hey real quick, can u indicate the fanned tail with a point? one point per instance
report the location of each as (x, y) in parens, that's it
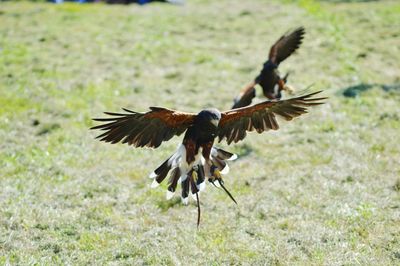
(161, 173)
(192, 178)
(173, 182)
(185, 190)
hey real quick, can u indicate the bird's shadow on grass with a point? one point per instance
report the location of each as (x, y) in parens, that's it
(354, 91)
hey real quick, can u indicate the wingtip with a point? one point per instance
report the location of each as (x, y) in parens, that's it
(127, 110)
(301, 29)
(309, 94)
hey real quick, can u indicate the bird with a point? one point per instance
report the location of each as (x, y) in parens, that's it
(197, 158)
(269, 78)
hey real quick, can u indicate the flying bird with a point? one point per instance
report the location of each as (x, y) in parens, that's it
(269, 78)
(197, 159)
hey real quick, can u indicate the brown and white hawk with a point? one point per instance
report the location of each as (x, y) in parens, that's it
(269, 78)
(197, 159)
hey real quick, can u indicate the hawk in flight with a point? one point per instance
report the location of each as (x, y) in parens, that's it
(197, 159)
(269, 78)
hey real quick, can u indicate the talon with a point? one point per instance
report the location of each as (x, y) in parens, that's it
(215, 172)
(198, 210)
(212, 180)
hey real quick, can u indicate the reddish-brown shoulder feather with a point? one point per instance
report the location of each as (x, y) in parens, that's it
(144, 129)
(262, 117)
(171, 118)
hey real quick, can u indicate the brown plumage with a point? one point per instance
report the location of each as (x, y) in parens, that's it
(144, 129)
(269, 78)
(150, 129)
(196, 158)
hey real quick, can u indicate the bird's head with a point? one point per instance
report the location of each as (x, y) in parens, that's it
(209, 116)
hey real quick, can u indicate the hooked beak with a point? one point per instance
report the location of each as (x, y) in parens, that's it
(215, 122)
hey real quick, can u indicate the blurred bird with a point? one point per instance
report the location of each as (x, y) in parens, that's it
(197, 159)
(269, 78)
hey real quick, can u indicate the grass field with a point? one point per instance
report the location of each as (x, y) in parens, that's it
(324, 189)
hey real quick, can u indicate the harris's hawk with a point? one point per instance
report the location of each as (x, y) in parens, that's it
(197, 159)
(269, 78)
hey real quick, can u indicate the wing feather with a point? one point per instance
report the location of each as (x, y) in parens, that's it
(246, 96)
(286, 45)
(262, 117)
(143, 129)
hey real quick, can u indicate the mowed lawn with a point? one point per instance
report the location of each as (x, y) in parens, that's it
(324, 189)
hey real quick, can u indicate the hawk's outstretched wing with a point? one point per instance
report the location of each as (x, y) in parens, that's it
(286, 45)
(144, 129)
(262, 117)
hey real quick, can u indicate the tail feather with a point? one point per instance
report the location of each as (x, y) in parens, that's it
(173, 180)
(161, 172)
(220, 164)
(219, 158)
(185, 190)
(201, 178)
(222, 154)
(192, 180)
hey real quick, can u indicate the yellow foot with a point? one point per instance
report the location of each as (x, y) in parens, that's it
(215, 175)
(194, 174)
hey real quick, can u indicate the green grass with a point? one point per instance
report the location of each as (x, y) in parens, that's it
(324, 189)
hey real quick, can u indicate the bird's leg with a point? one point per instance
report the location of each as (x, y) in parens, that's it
(198, 209)
(194, 178)
(216, 176)
(194, 173)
